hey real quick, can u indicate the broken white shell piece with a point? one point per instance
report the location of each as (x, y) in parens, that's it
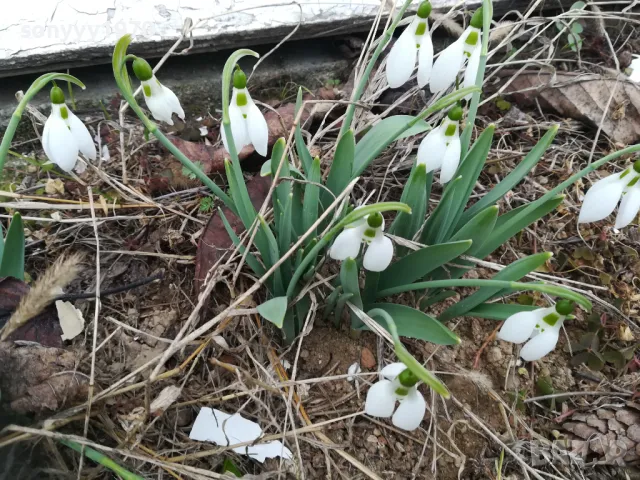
(71, 320)
(354, 369)
(223, 429)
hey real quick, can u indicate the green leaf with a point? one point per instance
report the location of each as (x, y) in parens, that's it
(416, 324)
(274, 310)
(1, 243)
(414, 194)
(511, 180)
(499, 311)
(420, 263)
(311, 198)
(436, 298)
(252, 261)
(301, 147)
(13, 258)
(340, 304)
(265, 170)
(513, 224)
(513, 272)
(229, 466)
(478, 229)
(273, 255)
(340, 170)
(349, 279)
(330, 302)
(435, 229)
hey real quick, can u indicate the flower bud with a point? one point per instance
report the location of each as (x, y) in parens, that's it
(407, 378)
(142, 69)
(455, 113)
(56, 95)
(565, 307)
(424, 10)
(375, 220)
(476, 19)
(636, 166)
(239, 79)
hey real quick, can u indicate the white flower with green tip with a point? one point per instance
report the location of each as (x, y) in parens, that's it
(64, 135)
(441, 149)
(160, 100)
(466, 49)
(414, 41)
(602, 198)
(369, 230)
(398, 384)
(539, 328)
(248, 125)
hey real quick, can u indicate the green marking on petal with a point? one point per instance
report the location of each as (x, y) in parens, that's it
(472, 38)
(402, 392)
(551, 319)
(244, 115)
(147, 90)
(421, 28)
(370, 233)
(450, 131)
(625, 173)
(241, 99)
(633, 182)
(64, 113)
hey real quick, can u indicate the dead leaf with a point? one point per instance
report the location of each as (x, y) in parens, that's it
(624, 333)
(71, 320)
(215, 240)
(164, 400)
(583, 97)
(54, 187)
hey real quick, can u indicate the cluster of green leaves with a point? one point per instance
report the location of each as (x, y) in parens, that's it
(574, 27)
(12, 249)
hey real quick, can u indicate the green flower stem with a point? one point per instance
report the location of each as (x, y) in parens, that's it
(352, 217)
(119, 64)
(357, 93)
(487, 16)
(103, 460)
(539, 287)
(35, 87)
(405, 357)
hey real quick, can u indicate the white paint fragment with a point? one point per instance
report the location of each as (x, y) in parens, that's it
(167, 397)
(212, 425)
(71, 320)
(221, 342)
(634, 76)
(204, 131)
(354, 369)
(106, 156)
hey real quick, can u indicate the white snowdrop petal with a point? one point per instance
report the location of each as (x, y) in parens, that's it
(381, 399)
(82, 136)
(447, 66)
(450, 160)
(379, 253)
(519, 327)
(402, 58)
(629, 207)
(411, 411)
(173, 102)
(471, 73)
(238, 128)
(425, 59)
(159, 108)
(432, 148)
(601, 200)
(540, 345)
(61, 146)
(391, 371)
(347, 244)
(257, 129)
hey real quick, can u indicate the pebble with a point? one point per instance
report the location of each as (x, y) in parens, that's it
(304, 354)
(494, 355)
(399, 447)
(372, 439)
(367, 360)
(377, 432)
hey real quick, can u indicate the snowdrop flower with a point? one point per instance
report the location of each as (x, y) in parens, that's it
(65, 135)
(161, 101)
(604, 195)
(248, 125)
(398, 384)
(452, 58)
(369, 230)
(634, 75)
(541, 327)
(440, 149)
(414, 40)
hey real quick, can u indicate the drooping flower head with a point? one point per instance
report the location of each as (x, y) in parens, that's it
(415, 40)
(602, 198)
(369, 230)
(248, 125)
(160, 100)
(65, 135)
(452, 59)
(399, 384)
(540, 327)
(441, 149)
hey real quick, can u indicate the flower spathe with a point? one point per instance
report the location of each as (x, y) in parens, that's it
(452, 59)
(64, 135)
(414, 41)
(441, 149)
(248, 125)
(398, 384)
(160, 100)
(602, 198)
(369, 230)
(540, 329)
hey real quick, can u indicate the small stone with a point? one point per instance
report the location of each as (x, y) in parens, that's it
(627, 417)
(399, 447)
(494, 355)
(377, 432)
(615, 425)
(367, 360)
(633, 432)
(605, 414)
(594, 421)
(304, 354)
(372, 439)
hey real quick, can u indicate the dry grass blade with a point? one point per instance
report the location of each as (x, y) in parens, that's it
(44, 291)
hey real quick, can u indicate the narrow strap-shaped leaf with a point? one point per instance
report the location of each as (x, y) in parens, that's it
(274, 310)
(311, 197)
(436, 298)
(416, 324)
(421, 263)
(350, 284)
(340, 170)
(301, 147)
(340, 304)
(297, 190)
(274, 256)
(371, 281)
(478, 228)
(281, 194)
(469, 169)
(511, 180)
(13, 258)
(252, 261)
(434, 229)
(505, 229)
(414, 194)
(330, 302)
(513, 272)
(499, 311)
(284, 239)
(1, 243)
